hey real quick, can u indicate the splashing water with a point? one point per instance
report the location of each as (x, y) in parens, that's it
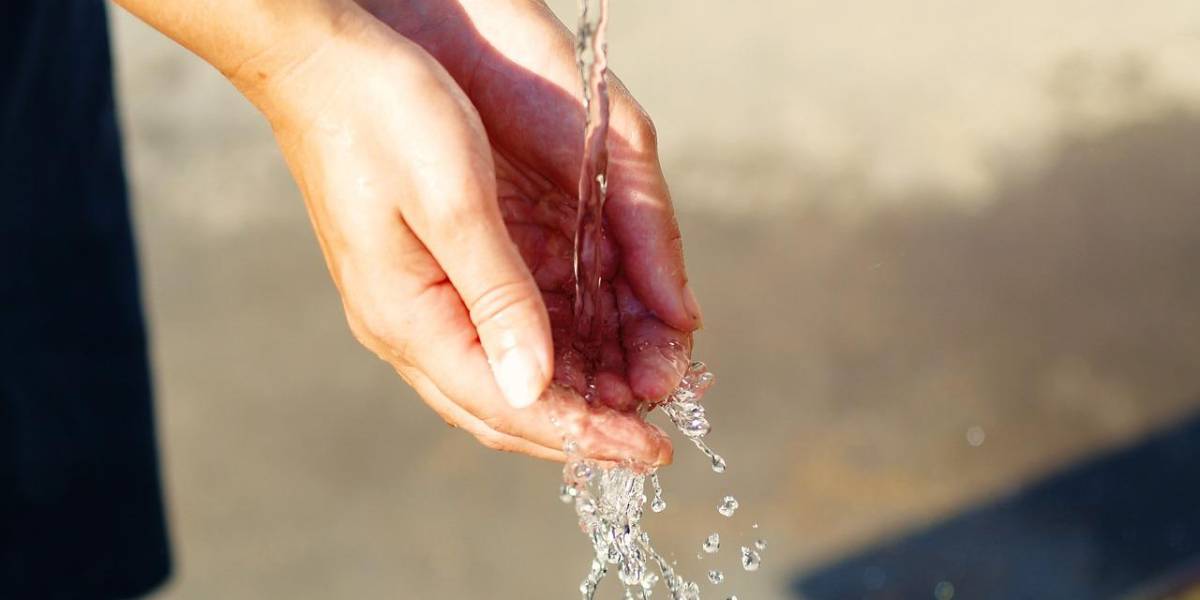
(728, 506)
(609, 501)
(750, 559)
(658, 504)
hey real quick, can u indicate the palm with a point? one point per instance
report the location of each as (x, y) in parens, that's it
(516, 77)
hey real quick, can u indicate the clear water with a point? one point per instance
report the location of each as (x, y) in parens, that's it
(591, 53)
(750, 559)
(610, 505)
(609, 501)
(728, 506)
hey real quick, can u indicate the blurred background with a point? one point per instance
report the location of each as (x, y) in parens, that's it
(949, 255)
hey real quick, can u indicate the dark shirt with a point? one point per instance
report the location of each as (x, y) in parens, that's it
(81, 514)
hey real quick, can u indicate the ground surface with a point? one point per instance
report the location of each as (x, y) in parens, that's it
(906, 222)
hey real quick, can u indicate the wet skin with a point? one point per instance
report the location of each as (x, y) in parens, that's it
(437, 145)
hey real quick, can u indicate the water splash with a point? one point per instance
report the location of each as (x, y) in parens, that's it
(728, 506)
(658, 504)
(750, 559)
(688, 415)
(609, 500)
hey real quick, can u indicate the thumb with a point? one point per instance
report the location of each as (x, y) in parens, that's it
(463, 229)
(504, 303)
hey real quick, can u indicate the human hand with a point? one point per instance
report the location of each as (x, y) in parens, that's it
(516, 62)
(402, 187)
(409, 202)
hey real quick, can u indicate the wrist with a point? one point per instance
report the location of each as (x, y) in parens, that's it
(294, 61)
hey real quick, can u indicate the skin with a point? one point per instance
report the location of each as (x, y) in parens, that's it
(437, 145)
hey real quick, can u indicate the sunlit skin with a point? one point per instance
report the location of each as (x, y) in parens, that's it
(437, 145)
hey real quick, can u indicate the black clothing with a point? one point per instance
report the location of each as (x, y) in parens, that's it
(81, 514)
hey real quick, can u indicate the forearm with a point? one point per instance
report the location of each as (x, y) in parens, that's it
(252, 42)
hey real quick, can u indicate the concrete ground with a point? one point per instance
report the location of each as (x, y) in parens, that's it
(943, 247)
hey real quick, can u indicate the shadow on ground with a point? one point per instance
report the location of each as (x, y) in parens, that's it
(1061, 315)
(1101, 530)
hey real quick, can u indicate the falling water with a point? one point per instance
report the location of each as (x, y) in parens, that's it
(591, 51)
(609, 501)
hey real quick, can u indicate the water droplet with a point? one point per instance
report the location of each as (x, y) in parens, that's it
(584, 471)
(728, 506)
(712, 543)
(976, 436)
(754, 526)
(649, 581)
(570, 447)
(585, 506)
(750, 559)
(718, 463)
(566, 493)
(716, 576)
(658, 504)
(760, 545)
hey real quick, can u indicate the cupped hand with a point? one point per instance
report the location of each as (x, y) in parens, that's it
(438, 164)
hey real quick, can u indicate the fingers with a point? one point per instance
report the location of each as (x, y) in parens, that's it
(656, 353)
(455, 214)
(456, 416)
(462, 374)
(642, 218)
(427, 329)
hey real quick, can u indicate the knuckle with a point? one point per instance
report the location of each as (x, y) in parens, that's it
(503, 302)
(645, 133)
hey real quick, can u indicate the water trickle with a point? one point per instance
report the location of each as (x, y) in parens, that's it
(658, 504)
(728, 506)
(712, 543)
(609, 500)
(718, 463)
(591, 52)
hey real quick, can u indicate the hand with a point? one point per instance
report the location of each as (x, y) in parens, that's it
(516, 62)
(417, 202)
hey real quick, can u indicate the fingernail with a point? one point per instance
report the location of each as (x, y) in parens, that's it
(692, 305)
(519, 376)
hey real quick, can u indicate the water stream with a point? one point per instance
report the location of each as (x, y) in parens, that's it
(610, 501)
